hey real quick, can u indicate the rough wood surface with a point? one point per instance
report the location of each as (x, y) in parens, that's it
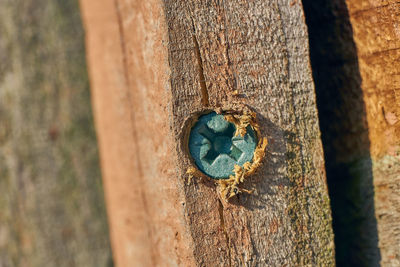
(154, 64)
(51, 201)
(377, 38)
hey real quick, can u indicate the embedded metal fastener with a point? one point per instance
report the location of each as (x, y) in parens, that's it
(216, 150)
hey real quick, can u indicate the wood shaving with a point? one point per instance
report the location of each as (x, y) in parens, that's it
(241, 122)
(194, 172)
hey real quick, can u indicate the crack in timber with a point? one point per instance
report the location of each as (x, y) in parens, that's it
(202, 80)
(222, 221)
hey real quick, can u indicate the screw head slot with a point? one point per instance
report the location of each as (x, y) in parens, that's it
(216, 150)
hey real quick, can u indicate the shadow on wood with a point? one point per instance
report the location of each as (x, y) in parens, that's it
(344, 131)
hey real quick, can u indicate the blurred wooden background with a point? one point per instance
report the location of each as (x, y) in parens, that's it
(51, 200)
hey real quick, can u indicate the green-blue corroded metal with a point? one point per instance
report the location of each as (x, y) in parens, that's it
(214, 148)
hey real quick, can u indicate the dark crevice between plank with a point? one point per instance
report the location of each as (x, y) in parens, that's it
(344, 132)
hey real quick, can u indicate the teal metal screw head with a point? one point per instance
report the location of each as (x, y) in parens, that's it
(214, 148)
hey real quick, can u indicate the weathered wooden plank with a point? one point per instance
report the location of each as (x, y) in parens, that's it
(377, 37)
(270, 87)
(129, 74)
(170, 60)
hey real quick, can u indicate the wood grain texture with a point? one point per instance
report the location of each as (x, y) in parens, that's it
(52, 210)
(260, 50)
(377, 37)
(128, 66)
(162, 63)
